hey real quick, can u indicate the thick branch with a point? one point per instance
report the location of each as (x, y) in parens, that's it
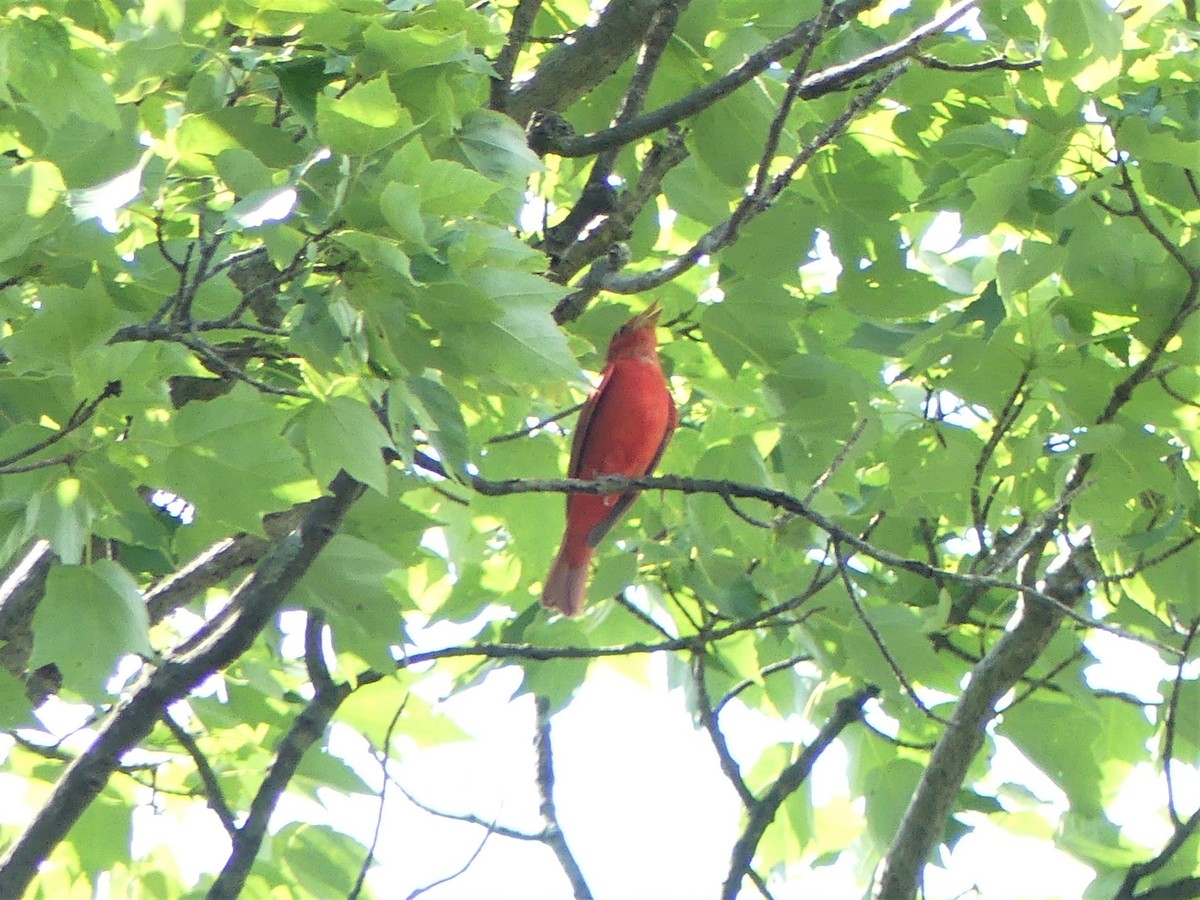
(617, 226)
(217, 563)
(570, 70)
(307, 729)
(597, 194)
(132, 720)
(1034, 624)
(818, 84)
(506, 62)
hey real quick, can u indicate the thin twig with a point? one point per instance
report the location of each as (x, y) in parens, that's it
(744, 516)
(1004, 421)
(762, 813)
(785, 501)
(837, 462)
(877, 638)
(708, 718)
(448, 878)
(545, 783)
(506, 60)
(385, 755)
(83, 412)
(220, 365)
(721, 235)
(212, 786)
(525, 432)
(783, 665)
(1138, 871)
(819, 83)
(758, 192)
(641, 616)
(996, 62)
(1172, 720)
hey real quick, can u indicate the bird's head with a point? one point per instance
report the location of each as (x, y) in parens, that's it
(636, 337)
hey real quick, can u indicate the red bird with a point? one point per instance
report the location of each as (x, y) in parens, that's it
(623, 429)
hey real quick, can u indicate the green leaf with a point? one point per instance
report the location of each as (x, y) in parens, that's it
(522, 343)
(493, 144)
(343, 433)
(439, 415)
(90, 617)
(211, 133)
(750, 325)
(64, 517)
(27, 195)
(14, 705)
(301, 81)
(987, 308)
(70, 322)
(889, 790)
(235, 441)
(1056, 733)
(816, 392)
(323, 859)
(413, 47)
(450, 187)
(401, 207)
(103, 833)
(995, 192)
(350, 579)
(365, 119)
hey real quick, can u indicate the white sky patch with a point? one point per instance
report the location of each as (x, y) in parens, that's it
(264, 206)
(822, 268)
(535, 212)
(174, 505)
(1126, 666)
(968, 23)
(943, 234)
(102, 201)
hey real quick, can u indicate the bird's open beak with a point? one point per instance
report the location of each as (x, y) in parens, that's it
(648, 318)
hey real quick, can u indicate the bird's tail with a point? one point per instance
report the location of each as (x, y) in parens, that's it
(566, 583)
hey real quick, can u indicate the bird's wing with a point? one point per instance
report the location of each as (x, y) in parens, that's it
(586, 414)
(605, 525)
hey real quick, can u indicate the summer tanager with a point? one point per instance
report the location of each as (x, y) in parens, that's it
(623, 429)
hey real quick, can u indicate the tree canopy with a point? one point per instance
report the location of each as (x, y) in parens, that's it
(298, 297)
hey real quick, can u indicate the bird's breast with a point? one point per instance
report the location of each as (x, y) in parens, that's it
(630, 421)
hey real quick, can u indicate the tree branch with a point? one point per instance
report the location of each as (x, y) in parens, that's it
(83, 412)
(708, 718)
(725, 233)
(545, 781)
(213, 794)
(217, 563)
(506, 61)
(132, 720)
(818, 84)
(307, 729)
(1139, 871)
(762, 813)
(597, 194)
(385, 755)
(570, 70)
(790, 503)
(1028, 634)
